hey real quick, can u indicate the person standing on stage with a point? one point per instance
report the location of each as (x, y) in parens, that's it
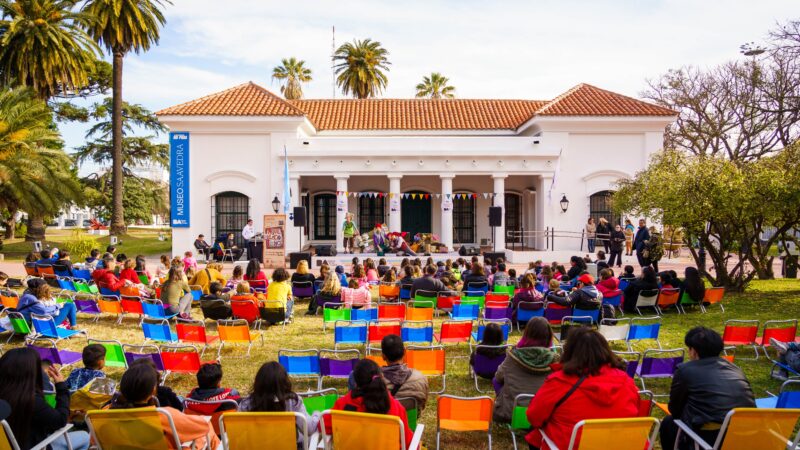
(248, 232)
(349, 231)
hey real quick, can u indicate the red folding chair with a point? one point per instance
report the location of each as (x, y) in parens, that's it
(454, 332)
(741, 333)
(780, 330)
(377, 330)
(391, 311)
(194, 332)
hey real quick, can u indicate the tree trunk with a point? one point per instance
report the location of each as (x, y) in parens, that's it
(118, 214)
(11, 226)
(35, 227)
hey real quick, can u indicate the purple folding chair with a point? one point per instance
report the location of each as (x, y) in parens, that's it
(631, 360)
(331, 364)
(484, 366)
(497, 313)
(136, 352)
(659, 364)
(86, 304)
(302, 289)
(48, 351)
(554, 315)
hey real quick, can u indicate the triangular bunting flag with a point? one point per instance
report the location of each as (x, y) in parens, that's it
(427, 196)
(485, 195)
(448, 196)
(413, 196)
(474, 195)
(438, 195)
(345, 193)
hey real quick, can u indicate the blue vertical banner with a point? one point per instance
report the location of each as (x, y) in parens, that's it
(179, 179)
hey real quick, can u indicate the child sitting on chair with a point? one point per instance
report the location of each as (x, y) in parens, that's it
(94, 360)
(356, 296)
(209, 379)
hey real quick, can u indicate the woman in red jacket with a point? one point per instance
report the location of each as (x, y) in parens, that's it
(590, 385)
(371, 395)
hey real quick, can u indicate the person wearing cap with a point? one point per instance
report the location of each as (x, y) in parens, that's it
(585, 295)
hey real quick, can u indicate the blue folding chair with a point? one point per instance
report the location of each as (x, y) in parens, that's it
(83, 274)
(158, 330)
(405, 291)
(580, 314)
(300, 363)
(45, 326)
(477, 335)
(615, 301)
(66, 284)
(465, 312)
(367, 314)
(644, 328)
(478, 286)
(154, 309)
(417, 332)
(106, 291)
(527, 311)
(788, 397)
(349, 332)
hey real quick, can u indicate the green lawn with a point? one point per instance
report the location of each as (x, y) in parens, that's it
(137, 242)
(763, 301)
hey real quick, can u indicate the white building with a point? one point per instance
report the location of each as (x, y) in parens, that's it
(398, 160)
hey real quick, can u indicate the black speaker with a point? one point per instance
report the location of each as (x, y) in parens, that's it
(469, 250)
(296, 257)
(326, 250)
(299, 216)
(494, 255)
(495, 216)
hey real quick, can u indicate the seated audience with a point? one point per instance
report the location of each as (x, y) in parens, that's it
(693, 285)
(214, 304)
(281, 290)
(94, 360)
(501, 277)
(209, 382)
(585, 295)
(330, 292)
(490, 346)
(205, 277)
(476, 275)
(32, 419)
(557, 295)
(63, 263)
(591, 384)
(356, 296)
(408, 275)
(324, 270)
(560, 273)
(359, 276)
(129, 276)
(189, 261)
(527, 293)
(371, 271)
(236, 278)
(47, 257)
(627, 274)
(254, 273)
(105, 276)
(383, 267)
(176, 294)
(390, 276)
(427, 282)
(704, 389)
(38, 299)
(202, 246)
(272, 392)
(138, 388)
(371, 395)
(341, 275)
(525, 368)
(576, 267)
(608, 284)
(163, 267)
(92, 259)
(301, 274)
(647, 281)
(665, 281)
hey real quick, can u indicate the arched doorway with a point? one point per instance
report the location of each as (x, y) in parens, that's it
(600, 206)
(231, 210)
(513, 216)
(416, 213)
(325, 217)
(464, 219)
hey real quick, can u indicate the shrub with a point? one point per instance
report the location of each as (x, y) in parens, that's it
(79, 245)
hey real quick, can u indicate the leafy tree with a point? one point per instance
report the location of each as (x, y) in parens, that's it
(360, 67)
(44, 46)
(435, 86)
(122, 26)
(725, 205)
(35, 174)
(293, 74)
(143, 198)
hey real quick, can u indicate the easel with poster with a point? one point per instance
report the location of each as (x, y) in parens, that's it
(274, 241)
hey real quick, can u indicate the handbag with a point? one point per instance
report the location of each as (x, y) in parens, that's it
(563, 399)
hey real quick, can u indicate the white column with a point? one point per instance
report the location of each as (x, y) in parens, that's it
(499, 200)
(395, 220)
(293, 234)
(294, 188)
(542, 222)
(446, 233)
(341, 186)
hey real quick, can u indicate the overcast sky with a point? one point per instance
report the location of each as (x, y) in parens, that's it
(530, 49)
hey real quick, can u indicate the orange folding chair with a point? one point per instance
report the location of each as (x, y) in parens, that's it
(668, 298)
(235, 331)
(419, 310)
(389, 290)
(620, 434)
(464, 414)
(391, 311)
(713, 295)
(430, 361)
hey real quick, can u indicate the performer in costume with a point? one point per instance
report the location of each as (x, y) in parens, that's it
(380, 239)
(399, 245)
(349, 231)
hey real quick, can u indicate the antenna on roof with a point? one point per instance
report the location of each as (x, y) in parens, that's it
(333, 53)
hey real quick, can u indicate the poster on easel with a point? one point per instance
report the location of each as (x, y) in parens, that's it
(274, 241)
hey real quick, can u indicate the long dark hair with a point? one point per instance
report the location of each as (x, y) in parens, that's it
(271, 389)
(578, 261)
(21, 372)
(370, 385)
(136, 388)
(492, 335)
(141, 263)
(586, 352)
(693, 284)
(649, 275)
(253, 268)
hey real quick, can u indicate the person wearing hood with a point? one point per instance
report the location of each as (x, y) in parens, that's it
(585, 295)
(525, 368)
(591, 384)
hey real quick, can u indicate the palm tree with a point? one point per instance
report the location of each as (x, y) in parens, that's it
(36, 175)
(122, 26)
(294, 73)
(42, 45)
(435, 86)
(360, 68)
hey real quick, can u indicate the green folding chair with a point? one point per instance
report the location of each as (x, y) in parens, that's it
(519, 417)
(318, 401)
(115, 355)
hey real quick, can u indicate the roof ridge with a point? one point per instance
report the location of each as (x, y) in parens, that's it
(572, 91)
(276, 97)
(238, 87)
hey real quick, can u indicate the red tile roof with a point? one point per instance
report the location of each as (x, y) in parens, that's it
(250, 99)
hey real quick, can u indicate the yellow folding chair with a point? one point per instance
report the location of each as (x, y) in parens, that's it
(620, 434)
(137, 428)
(236, 331)
(357, 431)
(246, 430)
(751, 428)
(464, 414)
(9, 442)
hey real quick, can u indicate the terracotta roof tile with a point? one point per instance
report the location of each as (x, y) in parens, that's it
(248, 99)
(417, 114)
(587, 100)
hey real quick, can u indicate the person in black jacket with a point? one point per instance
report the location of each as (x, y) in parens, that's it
(603, 231)
(704, 390)
(577, 266)
(617, 241)
(428, 282)
(640, 240)
(647, 281)
(32, 419)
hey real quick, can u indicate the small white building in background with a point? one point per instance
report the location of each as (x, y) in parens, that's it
(398, 161)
